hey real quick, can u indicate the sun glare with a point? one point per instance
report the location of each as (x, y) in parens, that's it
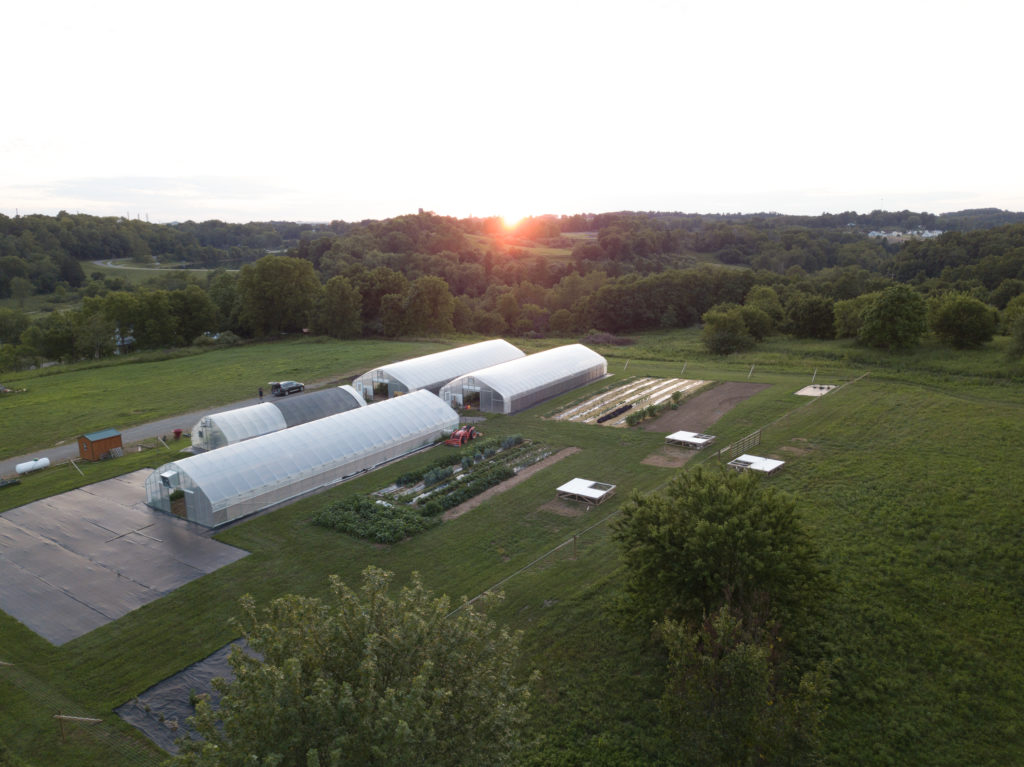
(511, 222)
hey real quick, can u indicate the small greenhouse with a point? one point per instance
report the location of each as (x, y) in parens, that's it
(223, 485)
(231, 426)
(521, 383)
(432, 371)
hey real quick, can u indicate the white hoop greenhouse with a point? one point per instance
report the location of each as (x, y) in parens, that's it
(231, 426)
(432, 371)
(522, 383)
(223, 485)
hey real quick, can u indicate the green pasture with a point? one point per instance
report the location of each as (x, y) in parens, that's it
(906, 479)
(62, 402)
(136, 274)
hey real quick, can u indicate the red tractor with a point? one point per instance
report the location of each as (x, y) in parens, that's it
(461, 436)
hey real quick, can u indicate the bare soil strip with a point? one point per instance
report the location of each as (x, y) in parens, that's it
(702, 411)
(641, 392)
(529, 471)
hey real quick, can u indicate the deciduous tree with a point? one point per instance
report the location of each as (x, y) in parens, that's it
(895, 320)
(810, 316)
(365, 679)
(725, 330)
(713, 539)
(727, 700)
(961, 321)
(339, 312)
(276, 295)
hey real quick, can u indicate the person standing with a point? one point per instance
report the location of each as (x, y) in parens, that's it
(261, 394)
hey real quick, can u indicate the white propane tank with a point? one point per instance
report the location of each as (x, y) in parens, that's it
(37, 463)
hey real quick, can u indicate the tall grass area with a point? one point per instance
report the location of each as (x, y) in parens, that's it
(905, 478)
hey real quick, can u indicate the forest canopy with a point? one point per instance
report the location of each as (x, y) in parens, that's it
(424, 273)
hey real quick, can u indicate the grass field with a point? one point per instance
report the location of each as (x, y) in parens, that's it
(65, 401)
(906, 478)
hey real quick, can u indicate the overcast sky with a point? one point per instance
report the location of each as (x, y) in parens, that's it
(314, 111)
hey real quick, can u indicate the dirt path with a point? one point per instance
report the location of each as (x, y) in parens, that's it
(525, 474)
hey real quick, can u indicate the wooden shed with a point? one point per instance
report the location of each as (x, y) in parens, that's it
(100, 445)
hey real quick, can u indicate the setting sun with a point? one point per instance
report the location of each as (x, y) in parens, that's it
(511, 222)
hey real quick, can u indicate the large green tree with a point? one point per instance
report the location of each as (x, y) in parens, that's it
(12, 324)
(809, 315)
(961, 321)
(729, 699)
(429, 306)
(276, 295)
(339, 311)
(365, 679)
(713, 539)
(895, 320)
(194, 312)
(725, 330)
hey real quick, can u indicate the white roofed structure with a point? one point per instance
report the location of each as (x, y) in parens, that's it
(433, 371)
(689, 439)
(231, 426)
(747, 462)
(521, 383)
(240, 479)
(585, 490)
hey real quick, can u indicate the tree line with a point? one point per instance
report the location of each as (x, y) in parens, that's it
(743, 278)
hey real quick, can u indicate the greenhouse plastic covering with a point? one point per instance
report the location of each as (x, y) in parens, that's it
(432, 371)
(521, 383)
(231, 426)
(318, 404)
(249, 476)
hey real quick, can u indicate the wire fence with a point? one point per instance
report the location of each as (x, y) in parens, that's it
(569, 549)
(600, 532)
(77, 728)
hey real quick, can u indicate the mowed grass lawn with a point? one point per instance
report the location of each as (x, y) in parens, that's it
(60, 403)
(910, 489)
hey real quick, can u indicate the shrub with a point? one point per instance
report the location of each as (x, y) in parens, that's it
(511, 441)
(725, 330)
(439, 474)
(608, 339)
(961, 321)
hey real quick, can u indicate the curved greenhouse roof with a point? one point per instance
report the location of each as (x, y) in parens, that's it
(432, 371)
(246, 477)
(231, 426)
(522, 383)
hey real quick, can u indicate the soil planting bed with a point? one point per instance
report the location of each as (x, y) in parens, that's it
(702, 411)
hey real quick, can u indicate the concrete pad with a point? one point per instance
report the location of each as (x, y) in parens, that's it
(816, 390)
(73, 562)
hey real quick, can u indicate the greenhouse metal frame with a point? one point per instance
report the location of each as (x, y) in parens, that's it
(433, 371)
(522, 383)
(230, 426)
(223, 485)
